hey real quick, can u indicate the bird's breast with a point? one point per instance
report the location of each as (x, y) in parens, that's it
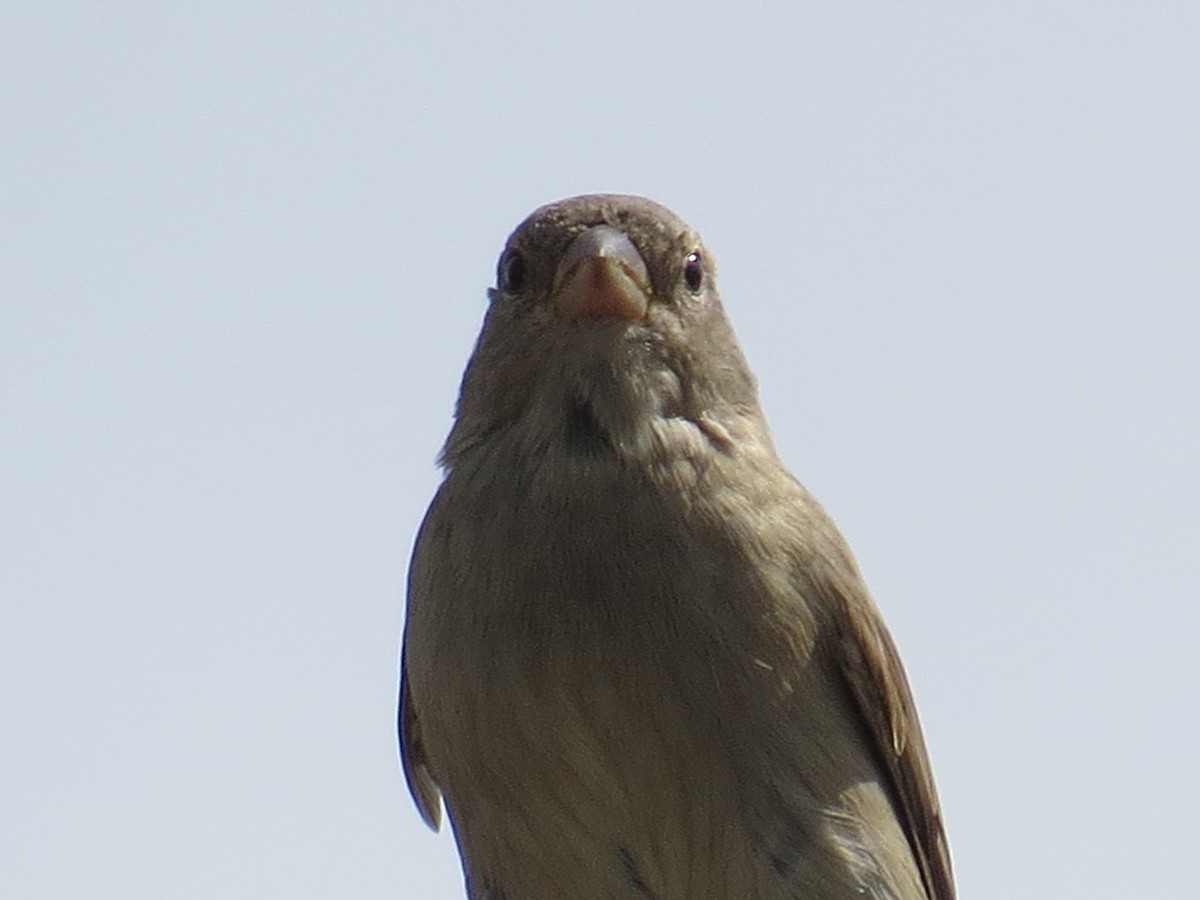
(603, 683)
(574, 708)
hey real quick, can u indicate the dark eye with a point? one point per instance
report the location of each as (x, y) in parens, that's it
(693, 272)
(511, 276)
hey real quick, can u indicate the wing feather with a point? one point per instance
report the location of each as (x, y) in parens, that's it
(421, 784)
(872, 668)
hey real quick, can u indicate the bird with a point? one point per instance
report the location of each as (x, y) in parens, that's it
(639, 660)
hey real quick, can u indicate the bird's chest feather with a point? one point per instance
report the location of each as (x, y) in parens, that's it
(590, 685)
(579, 703)
(564, 613)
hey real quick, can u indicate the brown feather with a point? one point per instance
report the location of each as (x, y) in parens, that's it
(872, 668)
(639, 657)
(421, 784)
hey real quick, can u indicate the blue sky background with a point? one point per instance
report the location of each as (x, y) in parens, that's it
(243, 256)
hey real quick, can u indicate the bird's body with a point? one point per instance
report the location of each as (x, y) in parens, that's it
(639, 659)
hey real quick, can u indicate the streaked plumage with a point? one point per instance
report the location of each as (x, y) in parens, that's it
(639, 659)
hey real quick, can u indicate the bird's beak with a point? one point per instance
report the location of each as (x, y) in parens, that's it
(602, 276)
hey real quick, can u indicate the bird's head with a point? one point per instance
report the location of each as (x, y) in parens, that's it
(604, 332)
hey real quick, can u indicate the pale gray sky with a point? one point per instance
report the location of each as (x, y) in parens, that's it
(243, 255)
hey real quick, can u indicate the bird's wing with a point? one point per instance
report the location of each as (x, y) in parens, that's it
(871, 666)
(421, 785)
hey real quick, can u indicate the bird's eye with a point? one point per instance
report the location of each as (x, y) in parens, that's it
(693, 272)
(512, 272)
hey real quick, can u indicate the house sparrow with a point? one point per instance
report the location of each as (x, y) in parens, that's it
(639, 659)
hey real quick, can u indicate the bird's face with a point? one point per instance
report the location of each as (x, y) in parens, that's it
(605, 318)
(605, 260)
